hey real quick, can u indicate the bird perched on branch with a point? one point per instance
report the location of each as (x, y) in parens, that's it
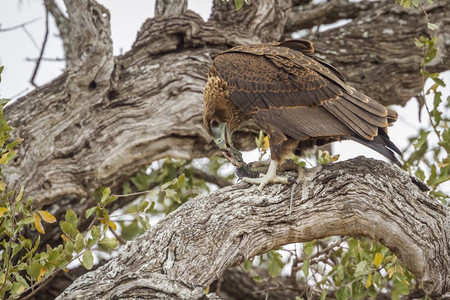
(299, 100)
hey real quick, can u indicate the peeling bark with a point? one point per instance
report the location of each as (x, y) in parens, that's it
(106, 117)
(195, 244)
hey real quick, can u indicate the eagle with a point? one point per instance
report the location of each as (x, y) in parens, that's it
(296, 98)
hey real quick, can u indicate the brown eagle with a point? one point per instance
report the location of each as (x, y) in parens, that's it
(299, 100)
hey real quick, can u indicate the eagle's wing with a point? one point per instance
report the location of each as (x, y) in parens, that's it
(285, 87)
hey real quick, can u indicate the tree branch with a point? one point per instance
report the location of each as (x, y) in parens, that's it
(24, 24)
(376, 51)
(38, 62)
(193, 246)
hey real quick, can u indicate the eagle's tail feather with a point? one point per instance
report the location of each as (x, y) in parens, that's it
(381, 144)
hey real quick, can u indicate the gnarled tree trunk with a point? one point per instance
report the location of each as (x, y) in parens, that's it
(190, 248)
(106, 117)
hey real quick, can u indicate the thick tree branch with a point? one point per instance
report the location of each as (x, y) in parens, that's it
(376, 51)
(105, 118)
(170, 7)
(194, 245)
(308, 16)
(79, 132)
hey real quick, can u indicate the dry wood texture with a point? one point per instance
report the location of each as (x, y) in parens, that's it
(194, 245)
(107, 114)
(106, 117)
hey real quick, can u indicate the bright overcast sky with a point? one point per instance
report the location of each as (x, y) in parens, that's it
(126, 19)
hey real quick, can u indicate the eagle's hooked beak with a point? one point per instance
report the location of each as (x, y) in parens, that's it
(221, 135)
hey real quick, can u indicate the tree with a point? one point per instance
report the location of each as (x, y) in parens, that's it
(106, 117)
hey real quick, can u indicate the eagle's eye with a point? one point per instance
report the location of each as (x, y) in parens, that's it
(214, 124)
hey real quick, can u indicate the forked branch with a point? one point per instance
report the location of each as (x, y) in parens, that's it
(193, 246)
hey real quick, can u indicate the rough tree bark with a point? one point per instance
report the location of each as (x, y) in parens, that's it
(106, 114)
(195, 244)
(106, 117)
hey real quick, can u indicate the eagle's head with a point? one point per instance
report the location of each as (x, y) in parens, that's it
(221, 117)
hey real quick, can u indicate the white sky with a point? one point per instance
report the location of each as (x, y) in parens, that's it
(126, 19)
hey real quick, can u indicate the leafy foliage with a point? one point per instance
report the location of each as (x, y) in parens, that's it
(23, 268)
(430, 162)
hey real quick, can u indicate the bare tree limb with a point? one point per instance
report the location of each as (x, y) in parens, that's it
(38, 62)
(122, 124)
(194, 245)
(307, 16)
(24, 24)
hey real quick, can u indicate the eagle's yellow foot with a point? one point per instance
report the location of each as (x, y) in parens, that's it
(269, 177)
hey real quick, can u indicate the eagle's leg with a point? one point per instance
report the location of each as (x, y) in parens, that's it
(269, 177)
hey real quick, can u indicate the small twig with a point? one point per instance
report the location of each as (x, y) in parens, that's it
(118, 237)
(20, 25)
(220, 182)
(31, 37)
(57, 59)
(42, 50)
(430, 32)
(134, 194)
(42, 285)
(317, 254)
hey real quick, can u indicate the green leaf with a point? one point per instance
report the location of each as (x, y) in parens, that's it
(181, 180)
(90, 211)
(400, 288)
(110, 243)
(238, 4)
(95, 232)
(343, 293)
(339, 276)
(143, 205)
(54, 256)
(34, 269)
(305, 267)
(71, 217)
(416, 3)
(248, 265)
(432, 26)
(66, 227)
(274, 264)
(308, 247)
(69, 246)
(358, 290)
(172, 194)
(150, 208)
(439, 82)
(20, 196)
(25, 221)
(361, 269)
(323, 296)
(88, 259)
(79, 243)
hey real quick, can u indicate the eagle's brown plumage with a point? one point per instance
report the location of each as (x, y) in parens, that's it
(296, 98)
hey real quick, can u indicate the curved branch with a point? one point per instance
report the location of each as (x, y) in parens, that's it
(308, 16)
(79, 132)
(194, 245)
